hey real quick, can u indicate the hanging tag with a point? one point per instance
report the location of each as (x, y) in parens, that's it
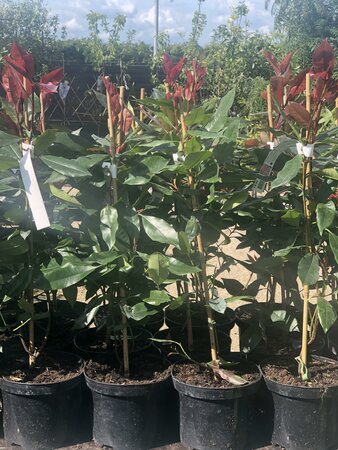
(266, 168)
(33, 193)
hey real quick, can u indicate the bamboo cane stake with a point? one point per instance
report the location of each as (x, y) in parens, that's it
(25, 114)
(42, 114)
(142, 94)
(190, 337)
(270, 117)
(126, 365)
(307, 186)
(204, 277)
(337, 111)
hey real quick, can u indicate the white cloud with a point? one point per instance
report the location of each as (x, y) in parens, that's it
(73, 25)
(175, 16)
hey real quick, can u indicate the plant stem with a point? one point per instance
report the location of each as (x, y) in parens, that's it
(122, 293)
(190, 337)
(204, 277)
(270, 117)
(42, 115)
(142, 93)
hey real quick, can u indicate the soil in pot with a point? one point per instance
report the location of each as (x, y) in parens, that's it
(214, 413)
(135, 413)
(42, 406)
(305, 412)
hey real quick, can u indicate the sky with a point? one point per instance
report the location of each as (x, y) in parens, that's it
(175, 15)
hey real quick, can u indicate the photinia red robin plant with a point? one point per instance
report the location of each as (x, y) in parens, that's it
(20, 88)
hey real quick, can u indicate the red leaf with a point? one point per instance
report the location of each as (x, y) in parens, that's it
(297, 85)
(273, 61)
(172, 71)
(298, 113)
(286, 63)
(13, 85)
(55, 76)
(277, 88)
(114, 97)
(21, 60)
(323, 60)
(127, 120)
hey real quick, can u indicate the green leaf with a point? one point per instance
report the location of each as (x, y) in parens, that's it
(325, 214)
(68, 167)
(326, 313)
(8, 139)
(219, 118)
(109, 225)
(13, 247)
(70, 294)
(62, 195)
(292, 217)
(192, 146)
(138, 312)
(8, 163)
(184, 242)
(143, 172)
(196, 116)
(235, 200)
(308, 269)
(333, 242)
(194, 159)
(289, 171)
(61, 275)
(218, 304)
(157, 298)
(159, 230)
(179, 268)
(192, 228)
(158, 268)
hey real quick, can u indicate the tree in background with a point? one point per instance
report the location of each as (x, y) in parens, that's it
(234, 58)
(29, 23)
(302, 24)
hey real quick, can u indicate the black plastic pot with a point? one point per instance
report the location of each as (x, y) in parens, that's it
(43, 416)
(89, 343)
(304, 417)
(216, 418)
(201, 350)
(134, 417)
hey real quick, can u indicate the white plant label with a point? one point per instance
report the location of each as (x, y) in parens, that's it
(33, 192)
(266, 168)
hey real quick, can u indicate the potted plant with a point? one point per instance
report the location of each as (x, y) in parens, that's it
(206, 139)
(304, 389)
(41, 390)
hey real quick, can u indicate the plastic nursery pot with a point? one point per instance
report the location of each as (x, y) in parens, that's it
(46, 415)
(90, 343)
(134, 416)
(304, 417)
(225, 322)
(201, 339)
(216, 418)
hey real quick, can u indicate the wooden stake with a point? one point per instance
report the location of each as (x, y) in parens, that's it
(25, 114)
(270, 117)
(42, 115)
(337, 111)
(204, 277)
(142, 93)
(119, 137)
(190, 336)
(308, 92)
(122, 293)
